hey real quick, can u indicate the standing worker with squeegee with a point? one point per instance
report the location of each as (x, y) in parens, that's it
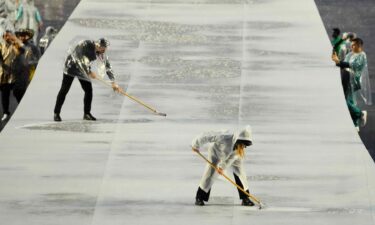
(226, 149)
(78, 65)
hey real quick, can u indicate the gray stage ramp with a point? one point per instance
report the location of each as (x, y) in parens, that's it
(209, 65)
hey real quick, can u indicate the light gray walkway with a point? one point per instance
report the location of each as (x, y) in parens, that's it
(208, 65)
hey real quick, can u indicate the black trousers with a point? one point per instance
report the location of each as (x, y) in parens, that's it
(65, 86)
(201, 194)
(5, 96)
(345, 79)
(240, 193)
(19, 93)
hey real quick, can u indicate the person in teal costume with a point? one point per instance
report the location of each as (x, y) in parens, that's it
(338, 44)
(359, 83)
(28, 17)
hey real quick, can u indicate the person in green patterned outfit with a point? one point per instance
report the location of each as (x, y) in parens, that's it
(338, 44)
(340, 48)
(359, 83)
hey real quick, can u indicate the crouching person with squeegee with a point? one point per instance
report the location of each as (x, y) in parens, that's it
(226, 150)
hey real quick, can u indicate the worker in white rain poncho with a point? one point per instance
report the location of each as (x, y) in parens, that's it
(225, 150)
(28, 17)
(78, 64)
(359, 83)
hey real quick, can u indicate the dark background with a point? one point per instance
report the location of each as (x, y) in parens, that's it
(356, 16)
(56, 12)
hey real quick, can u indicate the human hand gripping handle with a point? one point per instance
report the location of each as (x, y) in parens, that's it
(218, 169)
(195, 149)
(116, 88)
(335, 58)
(93, 75)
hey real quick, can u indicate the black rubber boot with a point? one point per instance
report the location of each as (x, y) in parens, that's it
(56, 117)
(88, 116)
(201, 196)
(247, 202)
(199, 202)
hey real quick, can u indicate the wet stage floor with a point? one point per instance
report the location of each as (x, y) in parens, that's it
(209, 65)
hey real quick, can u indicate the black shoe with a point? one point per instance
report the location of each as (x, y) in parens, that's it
(56, 117)
(247, 202)
(199, 202)
(88, 116)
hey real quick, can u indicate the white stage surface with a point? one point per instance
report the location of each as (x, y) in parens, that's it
(213, 64)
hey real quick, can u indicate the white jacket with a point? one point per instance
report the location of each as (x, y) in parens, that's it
(221, 144)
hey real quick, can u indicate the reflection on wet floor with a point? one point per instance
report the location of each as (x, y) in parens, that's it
(83, 205)
(344, 211)
(70, 126)
(100, 126)
(148, 30)
(56, 204)
(267, 177)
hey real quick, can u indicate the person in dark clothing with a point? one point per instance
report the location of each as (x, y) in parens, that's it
(32, 53)
(335, 34)
(22, 81)
(20, 69)
(77, 64)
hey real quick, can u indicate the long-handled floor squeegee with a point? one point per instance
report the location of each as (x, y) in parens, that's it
(133, 98)
(252, 197)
